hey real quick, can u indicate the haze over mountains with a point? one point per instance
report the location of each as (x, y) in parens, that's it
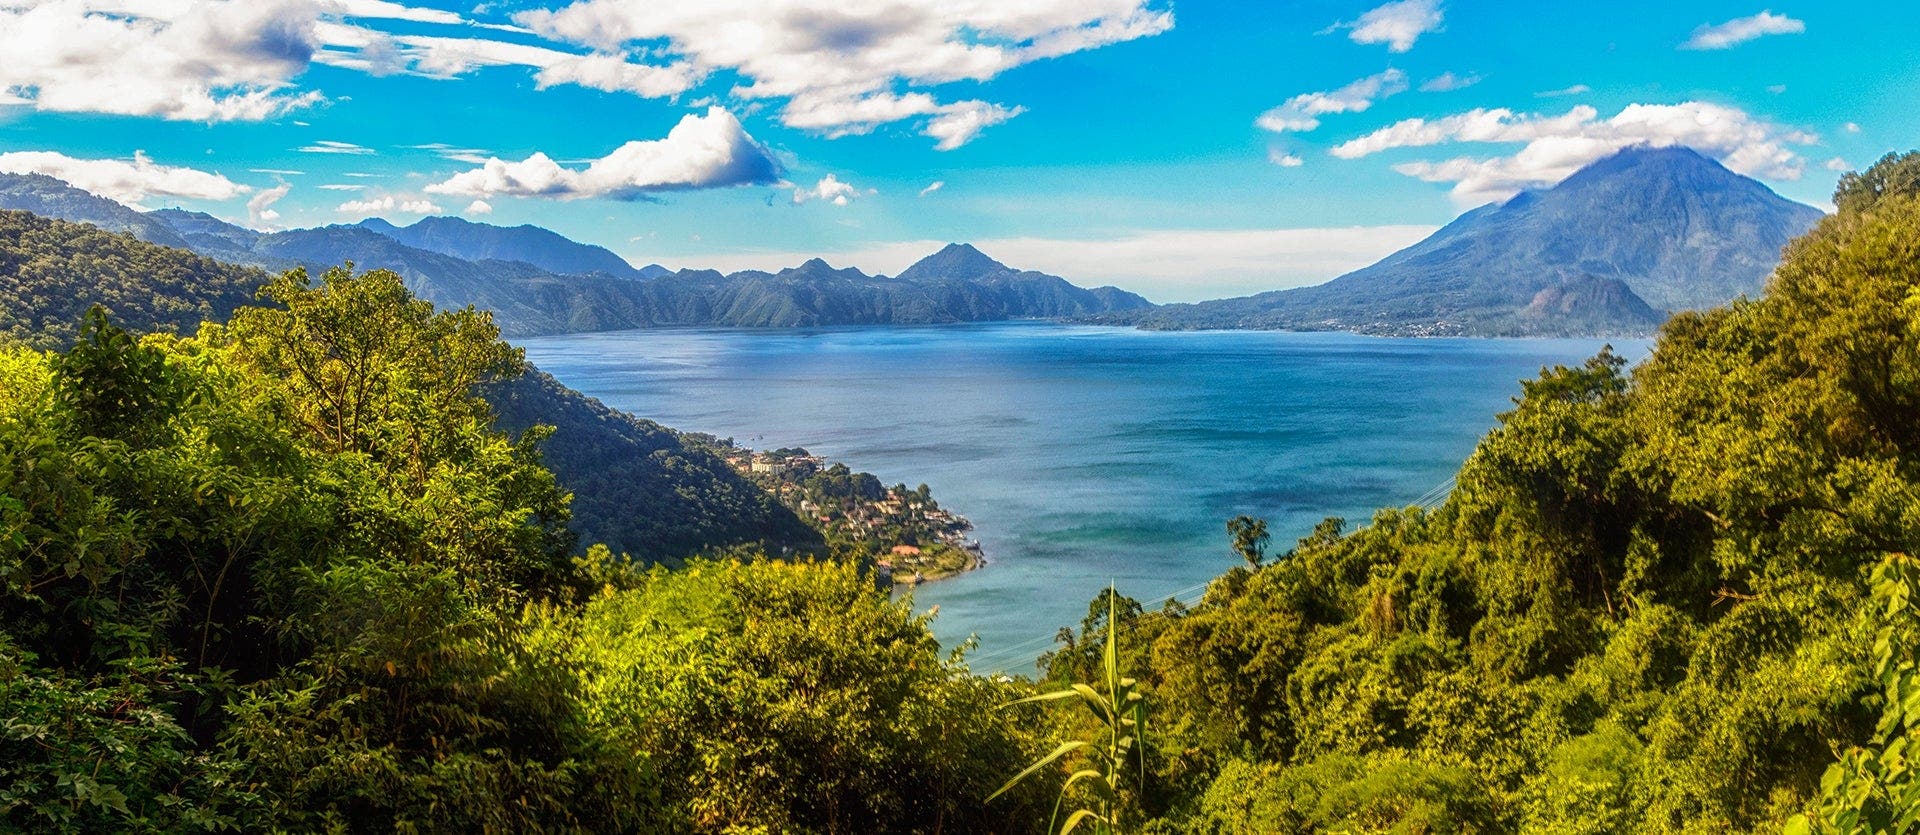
(1613, 249)
(538, 282)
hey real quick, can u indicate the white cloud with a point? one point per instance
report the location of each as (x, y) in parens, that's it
(207, 60)
(830, 189)
(1853, 127)
(1838, 164)
(1556, 146)
(283, 172)
(1776, 89)
(1162, 264)
(329, 146)
(1742, 29)
(848, 67)
(932, 187)
(1301, 112)
(382, 9)
(1284, 159)
(389, 204)
(129, 182)
(258, 209)
(1448, 82)
(1575, 90)
(1397, 25)
(343, 187)
(479, 207)
(702, 151)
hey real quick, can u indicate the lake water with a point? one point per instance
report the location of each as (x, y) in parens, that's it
(1084, 455)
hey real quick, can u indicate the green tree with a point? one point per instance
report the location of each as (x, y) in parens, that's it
(1250, 539)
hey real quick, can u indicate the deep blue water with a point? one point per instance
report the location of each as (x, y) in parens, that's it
(1083, 455)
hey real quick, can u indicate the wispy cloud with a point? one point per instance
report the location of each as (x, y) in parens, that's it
(1556, 146)
(1575, 90)
(932, 187)
(1302, 112)
(389, 204)
(259, 209)
(1742, 29)
(329, 146)
(1448, 82)
(845, 68)
(1398, 25)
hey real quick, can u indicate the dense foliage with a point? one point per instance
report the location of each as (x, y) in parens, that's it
(1672, 598)
(639, 487)
(642, 489)
(284, 574)
(51, 271)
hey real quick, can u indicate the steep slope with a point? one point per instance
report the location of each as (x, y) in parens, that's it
(529, 244)
(51, 271)
(48, 197)
(640, 487)
(1678, 229)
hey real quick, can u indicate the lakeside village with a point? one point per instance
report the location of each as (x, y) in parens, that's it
(908, 537)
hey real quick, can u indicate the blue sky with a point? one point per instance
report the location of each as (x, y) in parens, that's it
(1183, 150)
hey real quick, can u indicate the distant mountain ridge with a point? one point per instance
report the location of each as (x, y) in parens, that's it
(537, 282)
(529, 244)
(1672, 229)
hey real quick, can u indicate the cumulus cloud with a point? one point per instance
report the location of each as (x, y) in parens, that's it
(1302, 112)
(129, 182)
(259, 211)
(1448, 82)
(239, 60)
(830, 189)
(702, 151)
(329, 146)
(1397, 25)
(207, 60)
(1742, 29)
(932, 187)
(479, 207)
(1284, 159)
(389, 204)
(1853, 127)
(1838, 164)
(848, 67)
(1556, 146)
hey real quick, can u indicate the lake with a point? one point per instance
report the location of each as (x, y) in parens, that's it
(1083, 455)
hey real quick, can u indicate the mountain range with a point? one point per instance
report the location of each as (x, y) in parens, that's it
(1612, 249)
(537, 282)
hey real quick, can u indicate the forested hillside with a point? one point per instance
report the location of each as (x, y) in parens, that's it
(51, 271)
(641, 488)
(283, 574)
(1664, 598)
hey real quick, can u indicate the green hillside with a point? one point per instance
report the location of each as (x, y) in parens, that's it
(639, 487)
(51, 271)
(285, 575)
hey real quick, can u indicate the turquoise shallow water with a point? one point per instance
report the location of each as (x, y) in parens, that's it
(1083, 455)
